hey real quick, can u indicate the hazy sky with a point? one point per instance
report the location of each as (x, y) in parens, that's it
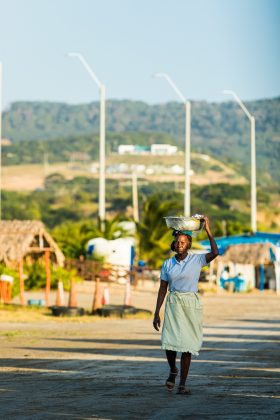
(204, 45)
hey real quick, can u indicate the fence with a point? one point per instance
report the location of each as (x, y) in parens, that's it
(89, 270)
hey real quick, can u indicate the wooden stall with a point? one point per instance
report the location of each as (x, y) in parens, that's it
(22, 240)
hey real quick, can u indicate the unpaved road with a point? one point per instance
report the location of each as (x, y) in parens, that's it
(114, 368)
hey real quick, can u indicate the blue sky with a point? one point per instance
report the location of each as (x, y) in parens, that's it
(204, 45)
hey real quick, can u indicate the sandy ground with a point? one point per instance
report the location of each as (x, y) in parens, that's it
(89, 367)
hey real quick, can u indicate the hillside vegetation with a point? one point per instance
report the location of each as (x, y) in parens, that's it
(220, 130)
(47, 167)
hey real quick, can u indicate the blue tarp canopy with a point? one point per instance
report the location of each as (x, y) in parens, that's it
(257, 238)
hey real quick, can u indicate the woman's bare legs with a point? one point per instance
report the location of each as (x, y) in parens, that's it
(185, 365)
(171, 358)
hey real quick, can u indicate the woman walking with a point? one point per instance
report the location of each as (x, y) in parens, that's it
(182, 327)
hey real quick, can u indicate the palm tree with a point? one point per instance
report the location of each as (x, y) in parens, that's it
(72, 237)
(154, 237)
(110, 230)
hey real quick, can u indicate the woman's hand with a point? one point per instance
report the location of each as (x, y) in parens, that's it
(214, 249)
(156, 322)
(206, 221)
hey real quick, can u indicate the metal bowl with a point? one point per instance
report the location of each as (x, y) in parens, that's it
(183, 223)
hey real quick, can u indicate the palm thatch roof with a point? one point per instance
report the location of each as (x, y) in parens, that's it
(19, 238)
(255, 254)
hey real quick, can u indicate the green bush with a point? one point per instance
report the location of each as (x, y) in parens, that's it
(36, 276)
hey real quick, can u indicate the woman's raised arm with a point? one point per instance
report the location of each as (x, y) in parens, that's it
(214, 249)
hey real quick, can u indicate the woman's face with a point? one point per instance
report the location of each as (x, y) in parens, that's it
(182, 244)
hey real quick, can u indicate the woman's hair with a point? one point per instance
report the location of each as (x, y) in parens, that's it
(172, 246)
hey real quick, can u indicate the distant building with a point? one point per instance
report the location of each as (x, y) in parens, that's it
(163, 149)
(126, 149)
(154, 149)
(205, 157)
(130, 149)
(6, 142)
(79, 157)
(177, 169)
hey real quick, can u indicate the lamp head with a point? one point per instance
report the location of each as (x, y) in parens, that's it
(159, 75)
(73, 54)
(227, 92)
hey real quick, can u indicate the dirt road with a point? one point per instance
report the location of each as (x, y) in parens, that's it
(114, 368)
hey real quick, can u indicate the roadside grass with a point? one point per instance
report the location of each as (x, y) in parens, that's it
(11, 313)
(10, 334)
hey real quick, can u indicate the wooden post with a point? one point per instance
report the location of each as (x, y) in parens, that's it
(136, 277)
(9, 292)
(48, 277)
(1, 292)
(21, 281)
(5, 291)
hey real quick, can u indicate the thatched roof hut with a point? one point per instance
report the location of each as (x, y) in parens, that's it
(255, 254)
(19, 238)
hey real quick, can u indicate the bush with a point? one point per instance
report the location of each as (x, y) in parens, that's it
(36, 276)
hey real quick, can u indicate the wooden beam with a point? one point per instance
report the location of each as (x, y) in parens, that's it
(48, 277)
(21, 281)
(38, 249)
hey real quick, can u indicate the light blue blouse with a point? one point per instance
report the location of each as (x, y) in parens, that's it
(183, 276)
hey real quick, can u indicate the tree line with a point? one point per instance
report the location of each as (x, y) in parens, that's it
(220, 130)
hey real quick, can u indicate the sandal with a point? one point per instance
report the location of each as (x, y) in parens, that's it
(182, 390)
(170, 381)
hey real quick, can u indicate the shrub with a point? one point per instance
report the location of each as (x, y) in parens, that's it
(36, 276)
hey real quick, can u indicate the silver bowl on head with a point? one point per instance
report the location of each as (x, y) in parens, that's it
(184, 223)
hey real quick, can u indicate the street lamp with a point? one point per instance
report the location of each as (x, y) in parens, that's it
(135, 197)
(187, 105)
(0, 141)
(101, 87)
(253, 160)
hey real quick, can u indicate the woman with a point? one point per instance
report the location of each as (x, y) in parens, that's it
(182, 328)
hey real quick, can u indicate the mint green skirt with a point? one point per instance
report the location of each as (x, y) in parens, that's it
(182, 326)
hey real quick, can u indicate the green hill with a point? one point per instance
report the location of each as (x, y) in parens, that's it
(220, 130)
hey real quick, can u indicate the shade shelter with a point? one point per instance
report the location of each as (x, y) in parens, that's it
(257, 255)
(21, 239)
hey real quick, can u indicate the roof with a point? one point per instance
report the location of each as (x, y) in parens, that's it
(256, 254)
(257, 238)
(21, 237)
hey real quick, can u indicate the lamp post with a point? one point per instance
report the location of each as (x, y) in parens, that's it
(135, 197)
(0, 141)
(187, 105)
(253, 160)
(101, 87)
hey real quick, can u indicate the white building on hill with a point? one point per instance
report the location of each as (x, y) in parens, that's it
(163, 149)
(154, 149)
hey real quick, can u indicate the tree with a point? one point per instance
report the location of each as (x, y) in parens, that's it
(154, 237)
(72, 237)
